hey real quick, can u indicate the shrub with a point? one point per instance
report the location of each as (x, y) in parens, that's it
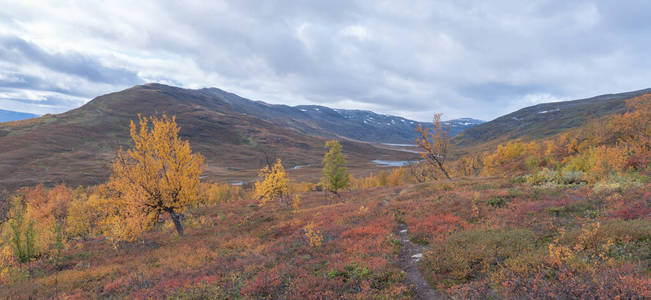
(617, 182)
(542, 177)
(436, 227)
(619, 230)
(313, 235)
(212, 194)
(532, 163)
(22, 237)
(496, 202)
(550, 177)
(573, 177)
(473, 254)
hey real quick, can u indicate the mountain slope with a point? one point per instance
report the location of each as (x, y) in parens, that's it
(77, 146)
(542, 120)
(457, 126)
(361, 125)
(8, 115)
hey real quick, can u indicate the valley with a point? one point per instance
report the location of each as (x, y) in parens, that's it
(349, 150)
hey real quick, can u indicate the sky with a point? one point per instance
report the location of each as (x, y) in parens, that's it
(478, 59)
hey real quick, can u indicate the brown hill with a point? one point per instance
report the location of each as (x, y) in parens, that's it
(540, 121)
(76, 147)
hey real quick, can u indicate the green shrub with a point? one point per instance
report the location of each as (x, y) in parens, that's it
(496, 202)
(639, 229)
(532, 163)
(21, 237)
(618, 182)
(543, 176)
(572, 177)
(549, 177)
(518, 179)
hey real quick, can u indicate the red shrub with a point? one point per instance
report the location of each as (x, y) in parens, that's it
(438, 226)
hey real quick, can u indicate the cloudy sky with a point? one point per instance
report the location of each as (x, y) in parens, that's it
(475, 59)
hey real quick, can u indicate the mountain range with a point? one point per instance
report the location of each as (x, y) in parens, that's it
(233, 133)
(8, 115)
(361, 125)
(236, 134)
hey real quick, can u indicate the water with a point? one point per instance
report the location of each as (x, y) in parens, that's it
(392, 163)
(299, 167)
(400, 145)
(403, 147)
(237, 183)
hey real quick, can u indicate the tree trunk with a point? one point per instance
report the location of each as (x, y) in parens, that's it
(178, 222)
(443, 169)
(436, 163)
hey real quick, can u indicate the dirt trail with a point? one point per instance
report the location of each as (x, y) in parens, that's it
(409, 257)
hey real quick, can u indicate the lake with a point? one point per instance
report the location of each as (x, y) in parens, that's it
(392, 163)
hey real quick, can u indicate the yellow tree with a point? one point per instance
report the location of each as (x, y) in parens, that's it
(274, 183)
(160, 174)
(435, 143)
(632, 128)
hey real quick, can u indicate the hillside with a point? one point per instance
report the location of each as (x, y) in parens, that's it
(77, 146)
(8, 115)
(542, 120)
(371, 246)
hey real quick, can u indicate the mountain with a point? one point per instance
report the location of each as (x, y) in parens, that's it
(231, 132)
(542, 120)
(459, 125)
(361, 125)
(7, 115)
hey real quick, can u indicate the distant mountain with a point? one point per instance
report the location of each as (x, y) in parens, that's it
(361, 125)
(368, 126)
(542, 120)
(231, 132)
(7, 115)
(459, 125)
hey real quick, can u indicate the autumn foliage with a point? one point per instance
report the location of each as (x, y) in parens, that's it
(600, 148)
(435, 143)
(274, 183)
(159, 175)
(565, 217)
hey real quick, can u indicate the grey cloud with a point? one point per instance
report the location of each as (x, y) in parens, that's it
(18, 50)
(35, 83)
(51, 102)
(465, 59)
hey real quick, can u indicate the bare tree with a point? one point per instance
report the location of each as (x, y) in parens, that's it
(435, 142)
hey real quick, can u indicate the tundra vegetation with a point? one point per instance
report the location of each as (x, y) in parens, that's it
(562, 217)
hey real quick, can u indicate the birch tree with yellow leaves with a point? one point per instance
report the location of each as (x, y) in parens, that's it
(160, 174)
(435, 143)
(274, 183)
